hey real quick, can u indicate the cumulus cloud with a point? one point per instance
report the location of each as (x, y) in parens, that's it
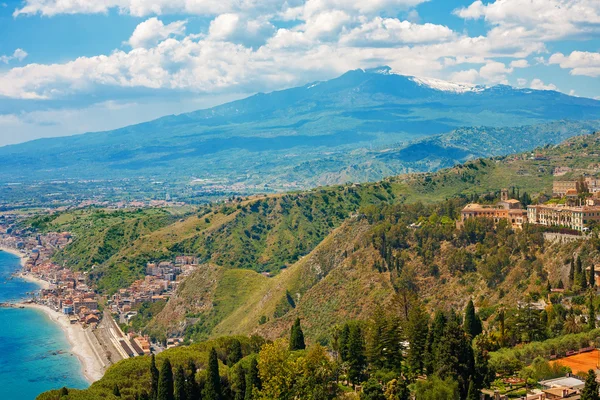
(537, 19)
(579, 62)
(519, 64)
(18, 54)
(495, 72)
(538, 84)
(153, 30)
(238, 29)
(466, 76)
(391, 32)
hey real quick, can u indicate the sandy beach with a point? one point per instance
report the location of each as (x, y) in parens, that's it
(34, 279)
(81, 346)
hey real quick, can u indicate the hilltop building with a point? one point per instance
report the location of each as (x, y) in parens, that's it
(561, 188)
(562, 215)
(507, 209)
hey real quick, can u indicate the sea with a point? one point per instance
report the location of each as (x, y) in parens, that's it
(34, 352)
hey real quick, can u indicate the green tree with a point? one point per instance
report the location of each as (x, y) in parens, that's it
(591, 312)
(212, 388)
(417, 332)
(116, 391)
(357, 360)
(252, 379)
(153, 378)
(397, 389)
(297, 337)
(372, 390)
(472, 322)
(590, 390)
(238, 382)
(434, 337)
(473, 393)
(572, 272)
(165, 382)
(435, 388)
(234, 352)
(192, 388)
(592, 279)
(180, 392)
(63, 392)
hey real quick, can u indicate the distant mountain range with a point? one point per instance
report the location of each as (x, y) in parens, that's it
(362, 125)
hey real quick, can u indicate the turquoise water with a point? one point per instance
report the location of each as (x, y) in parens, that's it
(34, 353)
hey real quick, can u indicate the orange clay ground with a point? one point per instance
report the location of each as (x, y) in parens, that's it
(580, 362)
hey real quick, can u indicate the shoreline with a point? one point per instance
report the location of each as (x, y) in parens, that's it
(15, 253)
(92, 366)
(42, 284)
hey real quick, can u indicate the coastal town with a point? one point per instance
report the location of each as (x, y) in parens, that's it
(92, 322)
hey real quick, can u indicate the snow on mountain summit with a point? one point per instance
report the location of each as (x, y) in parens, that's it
(446, 86)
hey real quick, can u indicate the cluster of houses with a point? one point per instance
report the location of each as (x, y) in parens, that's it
(579, 207)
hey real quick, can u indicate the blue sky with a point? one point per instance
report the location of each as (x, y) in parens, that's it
(70, 67)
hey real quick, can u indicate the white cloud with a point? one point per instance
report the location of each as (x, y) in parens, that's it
(579, 62)
(519, 64)
(153, 30)
(238, 29)
(521, 82)
(392, 32)
(495, 72)
(292, 8)
(537, 19)
(466, 76)
(18, 54)
(538, 84)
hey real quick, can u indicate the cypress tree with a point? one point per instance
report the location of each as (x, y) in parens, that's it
(472, 394)
(590, 390)
(234, 352)
(583, 280)
(191, 386)
(165, 382)
(154, 378)
(592, 279)
(297, 337)
(591, 312)
(472, 323)
(180, 393)
(572, 272)
(252, 380)
(116, 391)
(238, 383)
(455, 356)
(212, 388)
(63, 392)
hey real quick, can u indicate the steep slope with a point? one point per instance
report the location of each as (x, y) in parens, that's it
(264, 138)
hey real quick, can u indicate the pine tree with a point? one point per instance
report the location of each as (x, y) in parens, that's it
(234, 352)
(590, 390)
(356, 355)
(344, 336)
(212, 388)
(455, 355)
(180, 393)
(591, 312)
(154, 378)
(417, 332)
(297, 337)
(165, 382)
(191, 385)
(472, 323)
(375, 342)
(252, 379)
(435, 334)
